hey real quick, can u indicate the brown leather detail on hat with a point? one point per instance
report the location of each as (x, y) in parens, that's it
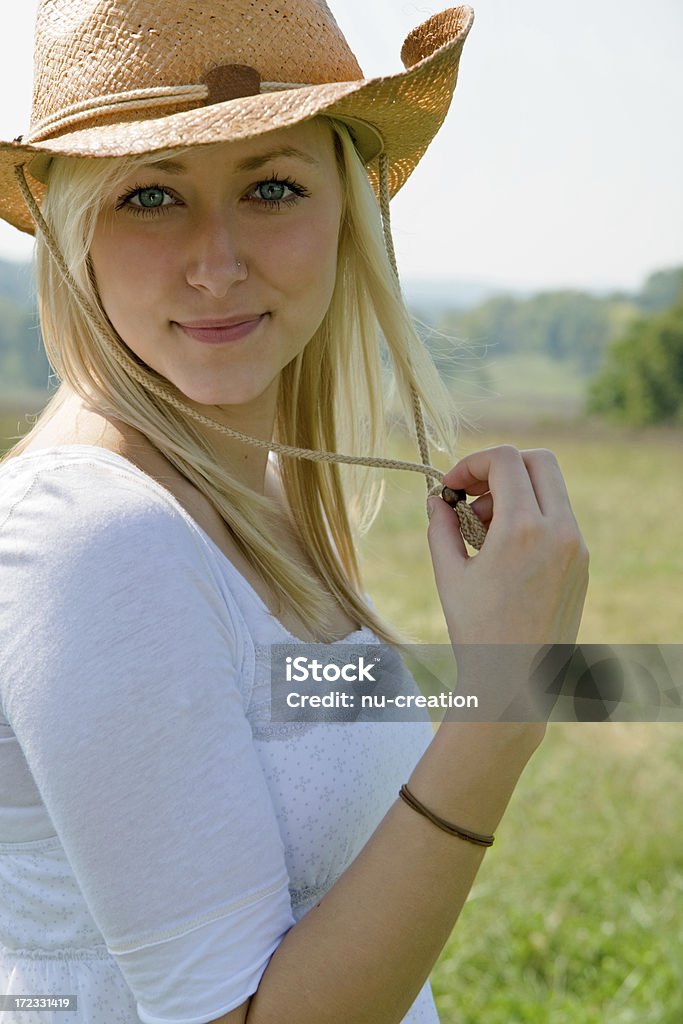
(230, 81)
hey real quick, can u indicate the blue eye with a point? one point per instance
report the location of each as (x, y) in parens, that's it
(147, 199)
(275, 192)
(150, 198)
(272, 191)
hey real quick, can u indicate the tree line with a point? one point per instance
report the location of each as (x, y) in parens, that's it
(629, 347)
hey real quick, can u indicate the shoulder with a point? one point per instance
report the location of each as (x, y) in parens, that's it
(87, 485)
(77, 510)
(107, 573)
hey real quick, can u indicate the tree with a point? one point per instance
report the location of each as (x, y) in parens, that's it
(641, 382)
(661, 291)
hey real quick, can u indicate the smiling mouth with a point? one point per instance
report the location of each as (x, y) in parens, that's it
(214, 332)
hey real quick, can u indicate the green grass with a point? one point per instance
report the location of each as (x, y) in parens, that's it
(576, 913)
(523, 388)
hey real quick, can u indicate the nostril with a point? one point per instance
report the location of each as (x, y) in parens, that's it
(217, 271)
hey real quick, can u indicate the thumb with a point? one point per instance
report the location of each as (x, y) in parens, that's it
(446, 545)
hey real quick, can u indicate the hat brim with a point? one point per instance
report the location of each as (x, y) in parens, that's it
(402, 111)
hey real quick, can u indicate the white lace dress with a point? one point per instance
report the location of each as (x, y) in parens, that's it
(158, 833)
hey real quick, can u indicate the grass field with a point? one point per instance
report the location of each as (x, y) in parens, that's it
(523, 388)
(577, 914)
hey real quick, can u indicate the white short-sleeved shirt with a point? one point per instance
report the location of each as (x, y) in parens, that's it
(158, 833)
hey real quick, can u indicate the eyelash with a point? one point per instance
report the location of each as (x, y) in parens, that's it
(274, 204)
(123, 202)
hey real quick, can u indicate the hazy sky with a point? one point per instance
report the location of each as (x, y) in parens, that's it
(561, 160)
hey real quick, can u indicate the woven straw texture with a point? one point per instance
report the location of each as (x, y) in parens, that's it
(121, 77)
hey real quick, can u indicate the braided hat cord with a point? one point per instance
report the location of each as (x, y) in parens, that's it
(420, 429)
(471, 526)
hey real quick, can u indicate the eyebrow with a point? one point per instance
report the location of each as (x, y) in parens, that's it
(251, 163)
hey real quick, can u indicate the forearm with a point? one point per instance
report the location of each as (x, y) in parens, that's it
(364, 952)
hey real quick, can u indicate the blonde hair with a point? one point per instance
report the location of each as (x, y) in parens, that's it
(331, 396)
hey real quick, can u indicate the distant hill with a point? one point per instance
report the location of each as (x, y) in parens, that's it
(438, 294)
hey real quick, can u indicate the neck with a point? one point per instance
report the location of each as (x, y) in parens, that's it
(248, 463)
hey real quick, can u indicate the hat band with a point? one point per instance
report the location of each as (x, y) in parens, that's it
(134, 100)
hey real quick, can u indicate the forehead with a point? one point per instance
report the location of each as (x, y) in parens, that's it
(310, 144)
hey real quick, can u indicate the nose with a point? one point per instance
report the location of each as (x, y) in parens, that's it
(214, 262)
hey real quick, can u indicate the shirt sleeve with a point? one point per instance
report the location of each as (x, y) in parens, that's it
(120, 678)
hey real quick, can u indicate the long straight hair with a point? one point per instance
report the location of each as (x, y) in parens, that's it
(332, 396)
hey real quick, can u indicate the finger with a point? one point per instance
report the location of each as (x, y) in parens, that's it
(500, 470)
(547, 481)
(446, 546)
(483, 507)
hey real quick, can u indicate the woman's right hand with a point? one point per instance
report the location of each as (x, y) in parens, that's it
(528, 583)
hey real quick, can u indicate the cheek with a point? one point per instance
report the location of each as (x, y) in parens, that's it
(307, 262)
(127, 271)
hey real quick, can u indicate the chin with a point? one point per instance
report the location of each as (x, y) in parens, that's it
(216, 394)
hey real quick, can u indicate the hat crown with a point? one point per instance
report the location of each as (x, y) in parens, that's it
(86, 50)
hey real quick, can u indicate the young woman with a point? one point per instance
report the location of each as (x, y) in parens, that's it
(214, 275)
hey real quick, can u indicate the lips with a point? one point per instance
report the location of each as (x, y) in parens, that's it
(227, 329)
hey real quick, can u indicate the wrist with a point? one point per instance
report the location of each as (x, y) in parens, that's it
(470, 770)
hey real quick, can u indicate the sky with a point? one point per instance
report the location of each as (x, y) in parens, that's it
(559, 164)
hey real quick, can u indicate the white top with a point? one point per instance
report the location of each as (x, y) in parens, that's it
(158, 833)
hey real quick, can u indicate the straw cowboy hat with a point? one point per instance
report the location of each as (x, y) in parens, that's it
(125, 77)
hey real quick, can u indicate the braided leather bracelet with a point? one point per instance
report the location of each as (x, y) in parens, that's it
(455, 830)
